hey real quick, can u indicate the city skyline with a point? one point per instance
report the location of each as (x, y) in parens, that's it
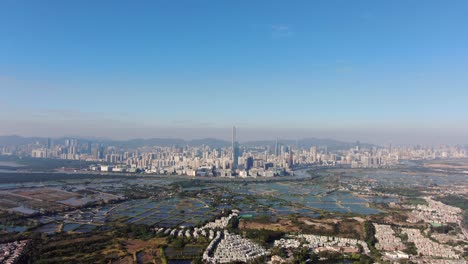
(249, 131)
(368, 71)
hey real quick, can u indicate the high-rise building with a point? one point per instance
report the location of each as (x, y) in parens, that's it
(249, 163)
(49, 143)
(235, 149)
(96, 153)
(74, 142)
(313, 153)
(291, 159)
(276, 148)
(88, 148)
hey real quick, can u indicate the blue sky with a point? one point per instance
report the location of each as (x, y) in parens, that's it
(381, 71)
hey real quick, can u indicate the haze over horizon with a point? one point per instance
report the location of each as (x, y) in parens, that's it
(362, 70)
(378, 138)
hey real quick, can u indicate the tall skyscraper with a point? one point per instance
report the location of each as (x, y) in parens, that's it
(96, 153)
(88, 148)
(49, 143)
(235, 149)
(276, 148)
(313, 153)
(291, 159)
(249, 163)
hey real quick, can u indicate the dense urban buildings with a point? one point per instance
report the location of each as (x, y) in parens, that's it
(268, 160)
(285, 201)
(209, 132)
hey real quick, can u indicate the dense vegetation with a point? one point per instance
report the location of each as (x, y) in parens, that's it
(443, 229)
(14, 219)
(304, 254)
(233, 225)
(133, 231)
(369, 234)
(416, 201)
(369, 237)
(465, 219)
(400, 191)
(98, 246)
(66, 248)
(454, 200)
(411, 249)
(263, 236)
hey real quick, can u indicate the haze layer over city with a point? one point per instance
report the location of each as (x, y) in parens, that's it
(233, 131)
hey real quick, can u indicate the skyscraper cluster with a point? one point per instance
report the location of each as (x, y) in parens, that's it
(247, 160)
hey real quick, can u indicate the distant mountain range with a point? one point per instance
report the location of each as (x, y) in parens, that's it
(18, 140)
(331, 144)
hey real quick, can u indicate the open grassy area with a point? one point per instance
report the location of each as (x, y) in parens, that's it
(416, 201)
(344, 227)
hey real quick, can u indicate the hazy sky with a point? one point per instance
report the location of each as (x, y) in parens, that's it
(378, 71)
